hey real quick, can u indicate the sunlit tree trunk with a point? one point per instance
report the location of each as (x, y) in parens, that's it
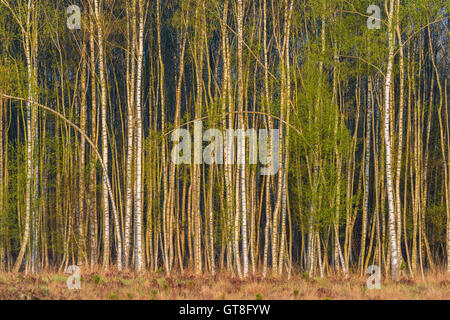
(400, 133)
(387, 141)
(29, 32)
(241, 152)
(131, 76)
(105, 150)
(94, 136)
(82, 197)
(367, 149)
(104, 135)
(139, 141)
(266, 106)
(445, 140)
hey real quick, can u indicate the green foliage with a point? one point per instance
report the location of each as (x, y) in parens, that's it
(403, 265)
(323, 134)
(125, 282)
(162, 282)
(59, 278)
(44, 290)
(189, 283)
(113, 296)
(97, 279)
(328, 81)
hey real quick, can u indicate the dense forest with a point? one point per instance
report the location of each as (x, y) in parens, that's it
(91, 92)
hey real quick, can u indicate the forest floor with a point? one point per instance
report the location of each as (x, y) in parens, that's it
(100, 285)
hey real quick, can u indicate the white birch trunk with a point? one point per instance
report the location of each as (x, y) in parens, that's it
(387, 138)
(130, 135)
(139, 140)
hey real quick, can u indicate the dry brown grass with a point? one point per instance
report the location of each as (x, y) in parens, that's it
(99, 285)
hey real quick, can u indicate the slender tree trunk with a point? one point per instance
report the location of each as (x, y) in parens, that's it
(131, 78)
(30, 115)
(139, 141)
(82, 197)
(387, 140)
